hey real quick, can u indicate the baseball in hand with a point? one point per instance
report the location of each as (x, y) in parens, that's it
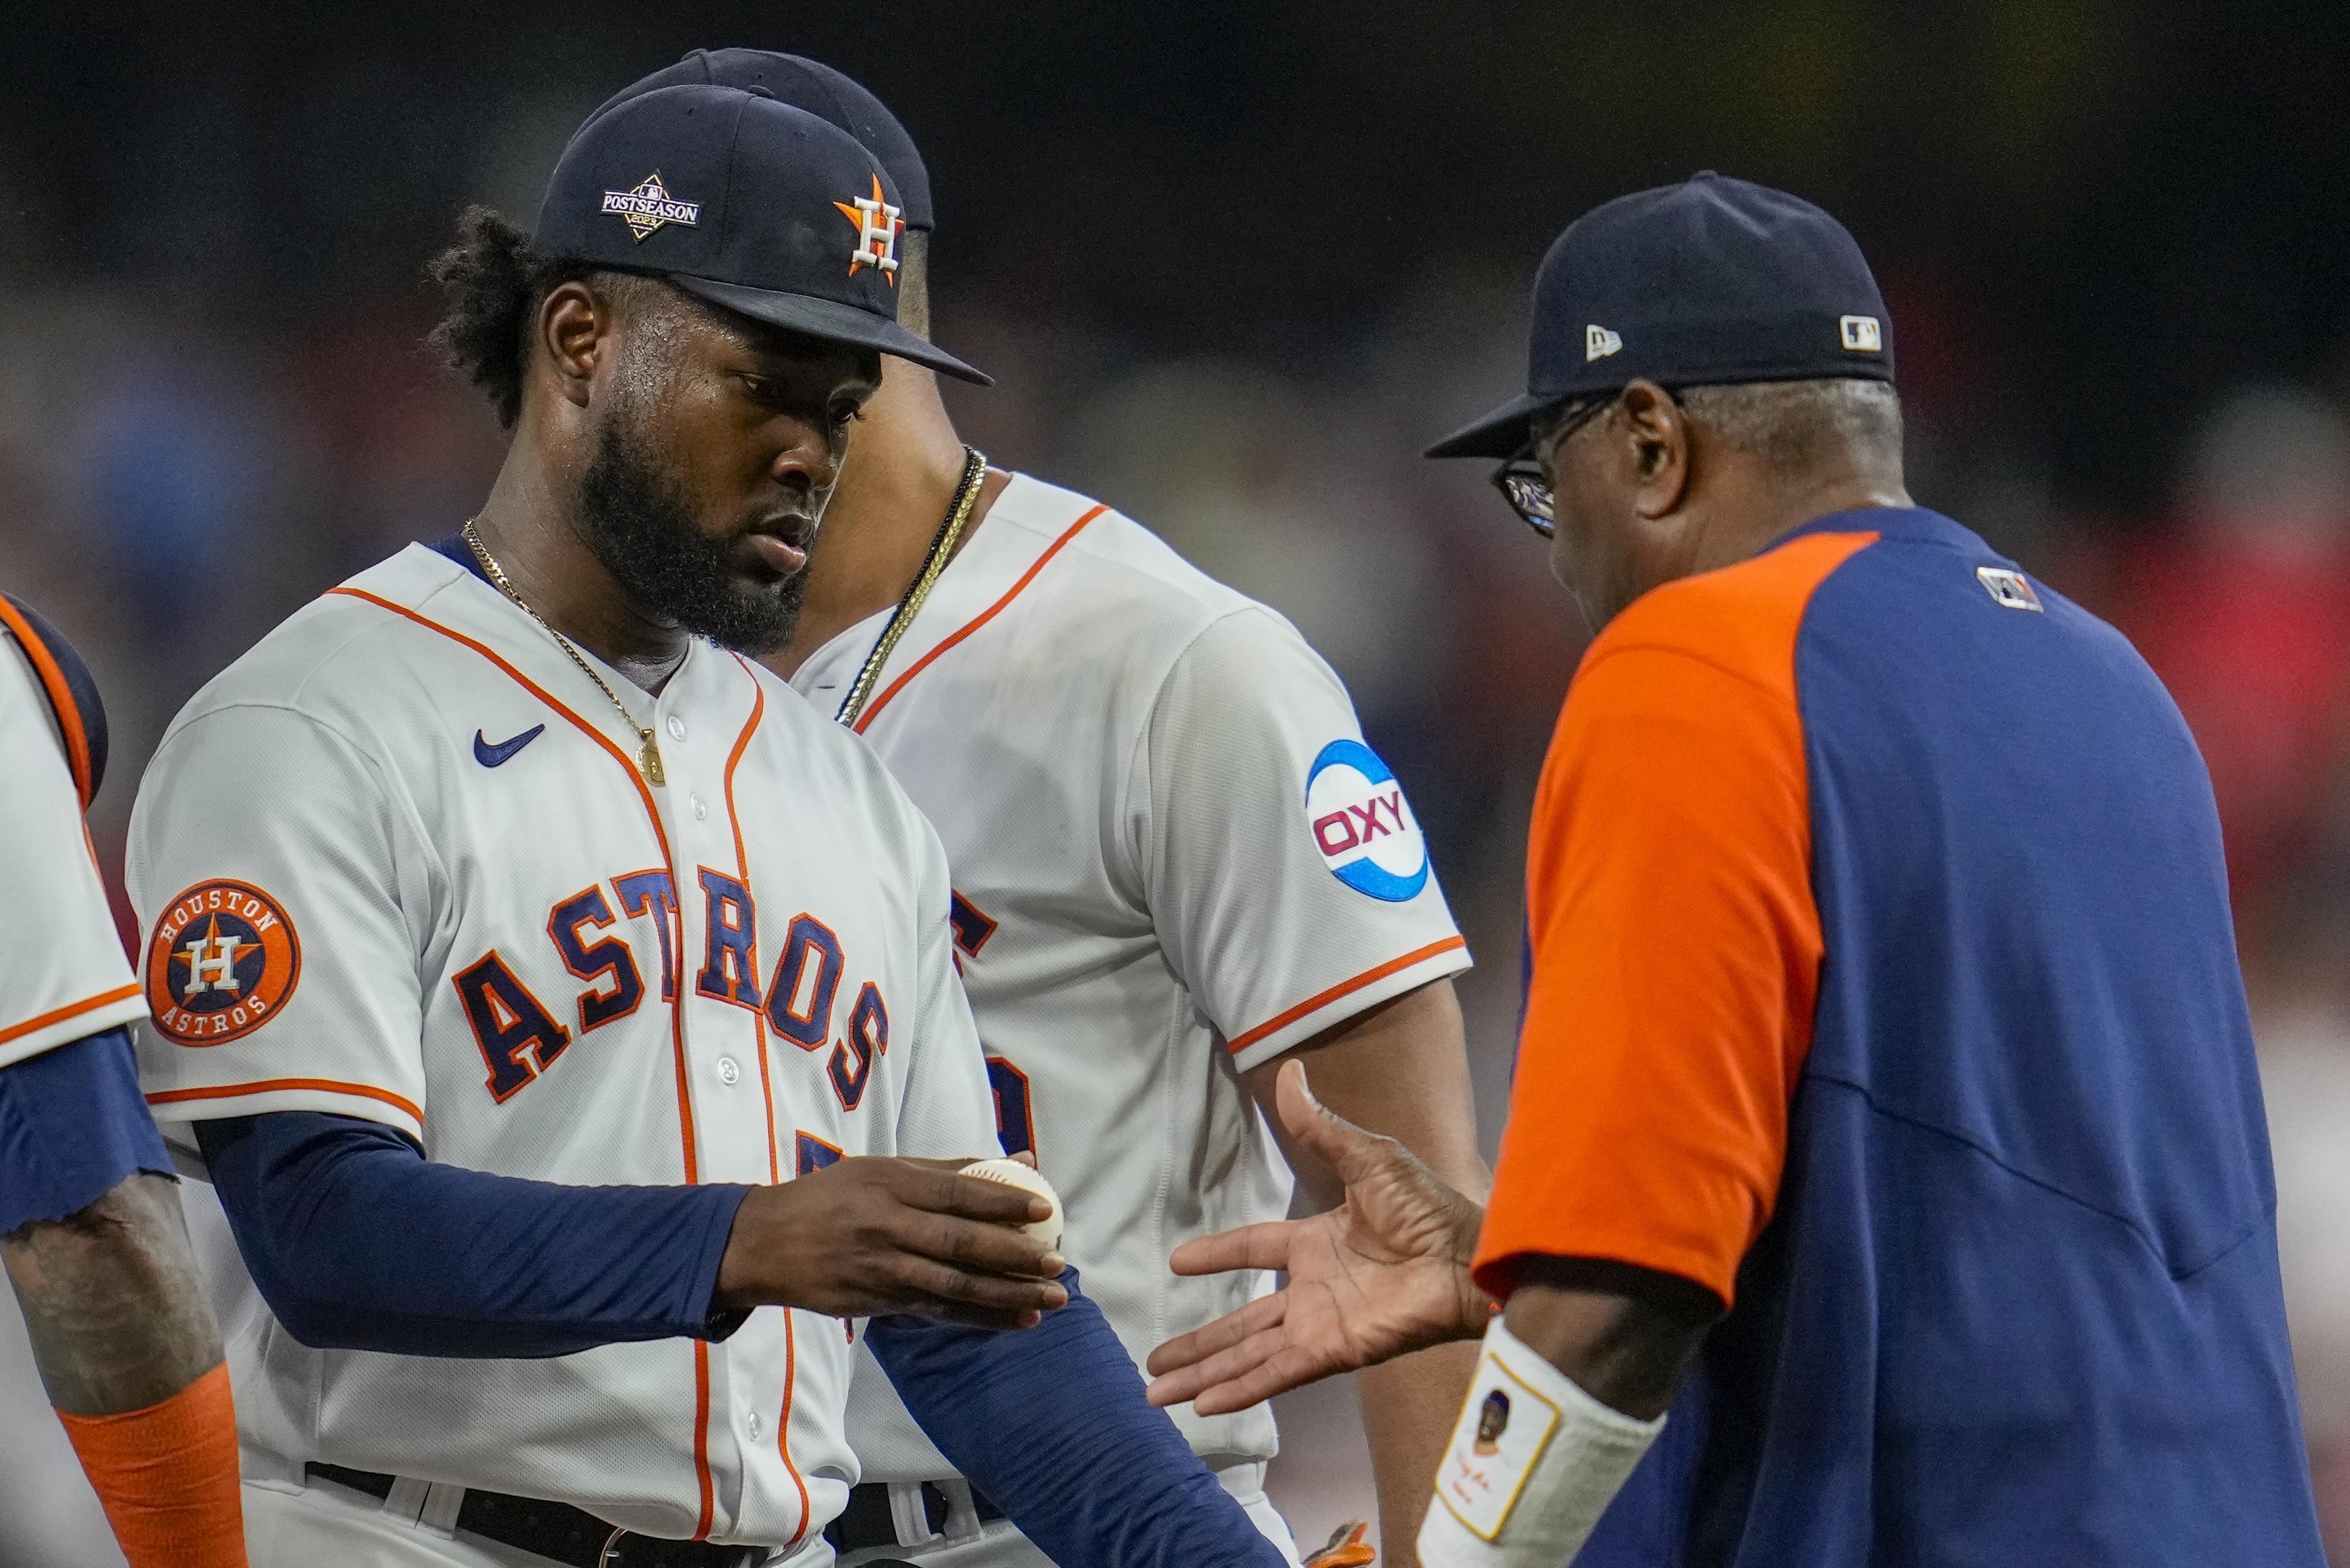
(1012, 1173)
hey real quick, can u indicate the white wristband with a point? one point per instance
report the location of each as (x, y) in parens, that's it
(1535, 1461)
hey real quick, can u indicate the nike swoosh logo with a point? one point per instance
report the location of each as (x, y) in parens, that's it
(491, 756)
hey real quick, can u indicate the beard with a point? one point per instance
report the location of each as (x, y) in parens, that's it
(633, 515)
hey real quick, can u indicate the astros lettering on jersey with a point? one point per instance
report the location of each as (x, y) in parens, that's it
(1174, 858)
(396, 863)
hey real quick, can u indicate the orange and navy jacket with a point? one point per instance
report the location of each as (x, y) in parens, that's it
(1882, 983)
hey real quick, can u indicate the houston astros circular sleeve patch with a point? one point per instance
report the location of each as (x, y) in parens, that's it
(223, 959)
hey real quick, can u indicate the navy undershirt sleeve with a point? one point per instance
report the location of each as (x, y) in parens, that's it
(358, 1242)
(73, 1125)
(1098, 1474)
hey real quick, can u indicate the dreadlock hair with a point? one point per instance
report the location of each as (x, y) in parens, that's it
(493, 281)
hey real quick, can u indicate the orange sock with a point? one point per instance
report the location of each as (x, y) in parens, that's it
(167, 1476)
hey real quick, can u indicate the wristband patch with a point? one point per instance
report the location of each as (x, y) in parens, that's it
(1503, 1429)
(1363, 829)
(223, 959)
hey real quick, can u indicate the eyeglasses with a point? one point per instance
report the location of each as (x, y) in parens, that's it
(1521, 480)
(1521, 485)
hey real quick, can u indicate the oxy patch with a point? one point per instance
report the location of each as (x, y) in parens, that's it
(1363, 829)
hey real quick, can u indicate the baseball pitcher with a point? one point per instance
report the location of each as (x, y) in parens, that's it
(565, 1010)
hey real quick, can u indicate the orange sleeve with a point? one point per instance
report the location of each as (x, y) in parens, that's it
(1676, 943)
(167, 1476)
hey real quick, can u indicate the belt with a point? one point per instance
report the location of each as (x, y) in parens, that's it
(562, 1532)
(868, 1521)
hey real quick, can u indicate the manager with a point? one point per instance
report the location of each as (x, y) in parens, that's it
(1885, 1108)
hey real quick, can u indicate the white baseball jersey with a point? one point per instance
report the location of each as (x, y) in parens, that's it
(397, 863)
(61, 971)
(1174, 858)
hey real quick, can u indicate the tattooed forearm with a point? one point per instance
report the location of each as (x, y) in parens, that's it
(112, 1300)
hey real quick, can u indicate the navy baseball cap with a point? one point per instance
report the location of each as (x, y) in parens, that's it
(1709, 282)
(746, 202)
(815, 87)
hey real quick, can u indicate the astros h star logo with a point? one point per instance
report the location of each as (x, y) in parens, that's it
(224, 958)
(879, 225)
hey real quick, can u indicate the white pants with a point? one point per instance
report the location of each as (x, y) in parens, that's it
(331, 1526)
(999, 1544)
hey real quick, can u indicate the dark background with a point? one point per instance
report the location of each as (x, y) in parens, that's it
(1232, 264)
(2106, 210)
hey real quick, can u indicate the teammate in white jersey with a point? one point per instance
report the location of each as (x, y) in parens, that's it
(90, 1227)
(546, 988)
(1175, 861)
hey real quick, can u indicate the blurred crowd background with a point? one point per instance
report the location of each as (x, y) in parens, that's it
(1232, 264)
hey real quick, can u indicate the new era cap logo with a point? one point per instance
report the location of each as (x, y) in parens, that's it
(1862, 335)
(1598, 343)
(649, 207)
(878, 227)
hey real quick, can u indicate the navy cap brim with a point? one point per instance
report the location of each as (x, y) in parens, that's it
(829, 320)
(1503, 433)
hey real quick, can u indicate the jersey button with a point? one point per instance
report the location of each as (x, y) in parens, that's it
(676, 728)
(728, 1072)
(700, 808)
(755, 1428)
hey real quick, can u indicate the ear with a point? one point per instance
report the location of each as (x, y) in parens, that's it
(575, 327)
(1659, 437)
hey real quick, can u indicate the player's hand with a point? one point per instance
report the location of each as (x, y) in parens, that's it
(1384, 1274)
(868, 1235)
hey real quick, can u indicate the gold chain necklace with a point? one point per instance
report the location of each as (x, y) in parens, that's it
(943, 544)
(648, 759)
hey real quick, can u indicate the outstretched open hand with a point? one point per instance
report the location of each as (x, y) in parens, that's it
(1384, 1274)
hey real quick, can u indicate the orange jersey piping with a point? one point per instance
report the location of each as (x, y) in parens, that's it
(1311, 1004)
(59, 1015)
(644, 794)
(979, 621)
(784, 1436)
(743, 872)
(702, 1440)
(676, 1011)
(276, 1086)
(61, 699)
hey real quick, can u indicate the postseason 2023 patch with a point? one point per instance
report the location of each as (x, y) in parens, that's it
(647, 207)
(1362, 827)
(222, 960)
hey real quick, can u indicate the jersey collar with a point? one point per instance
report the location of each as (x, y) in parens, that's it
(1919, 524)
(435, 586)
(1017, 530)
